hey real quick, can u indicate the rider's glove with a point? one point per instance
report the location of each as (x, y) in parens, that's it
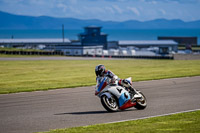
(125, 81)
(108, 80)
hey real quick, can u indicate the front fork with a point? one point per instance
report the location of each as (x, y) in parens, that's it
(132, 91)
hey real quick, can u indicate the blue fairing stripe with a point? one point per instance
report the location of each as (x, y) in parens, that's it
(123, 99)
(101, 84)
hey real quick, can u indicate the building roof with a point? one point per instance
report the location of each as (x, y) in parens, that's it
(85, 34)
(39, 40)
(92, 26)
(179, 37)
(76, 47)
(148, 42)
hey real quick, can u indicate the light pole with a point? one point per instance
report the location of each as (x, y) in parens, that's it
(63, 33)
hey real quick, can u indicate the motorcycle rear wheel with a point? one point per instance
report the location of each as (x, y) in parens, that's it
(110, 104)
(141, 103)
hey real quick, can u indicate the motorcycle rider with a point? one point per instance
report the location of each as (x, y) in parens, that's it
(101, 72)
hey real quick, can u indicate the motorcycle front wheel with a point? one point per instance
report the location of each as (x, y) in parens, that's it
(141, 103)
(110, 104)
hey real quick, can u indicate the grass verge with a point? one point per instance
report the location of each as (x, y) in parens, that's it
(21, 76)
(178, 123)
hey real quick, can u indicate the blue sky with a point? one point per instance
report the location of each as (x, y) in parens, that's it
(114, 10)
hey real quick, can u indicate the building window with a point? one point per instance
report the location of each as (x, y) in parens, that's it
(94, 34)
(76, 52)
(67, 52)
(164, 50)
(95, 30)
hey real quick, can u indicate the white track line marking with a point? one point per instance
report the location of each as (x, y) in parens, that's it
(152, 116)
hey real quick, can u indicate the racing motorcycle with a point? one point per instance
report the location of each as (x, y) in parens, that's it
(114, 97)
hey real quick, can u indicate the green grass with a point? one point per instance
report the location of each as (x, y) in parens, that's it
(177, 123)
(21, 76)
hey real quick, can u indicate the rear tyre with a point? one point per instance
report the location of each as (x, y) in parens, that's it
(141, 103)
(110, 104)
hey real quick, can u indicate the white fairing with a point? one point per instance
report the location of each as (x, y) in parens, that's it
(115, 90)
(119, 92)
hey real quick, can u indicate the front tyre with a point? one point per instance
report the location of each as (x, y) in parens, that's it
(142, 102)
(110, 104)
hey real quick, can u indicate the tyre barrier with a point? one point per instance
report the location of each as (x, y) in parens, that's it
(49, 53)
(31, 52)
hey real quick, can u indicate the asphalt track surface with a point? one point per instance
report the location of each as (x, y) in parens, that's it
(63, 108)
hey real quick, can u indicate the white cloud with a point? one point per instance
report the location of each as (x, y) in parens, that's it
(73, 1)
(134, 10)
(37, 2)
(163, 11)
(12, 1)
(63, 6)
(119, 10)
(151, 1)
(109, 9)
(75, 11)
(154, 2)
(172, 1)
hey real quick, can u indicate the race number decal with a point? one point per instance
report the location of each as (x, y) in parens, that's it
(120, 90)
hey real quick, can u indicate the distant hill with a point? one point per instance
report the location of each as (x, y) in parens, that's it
(11, 21)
